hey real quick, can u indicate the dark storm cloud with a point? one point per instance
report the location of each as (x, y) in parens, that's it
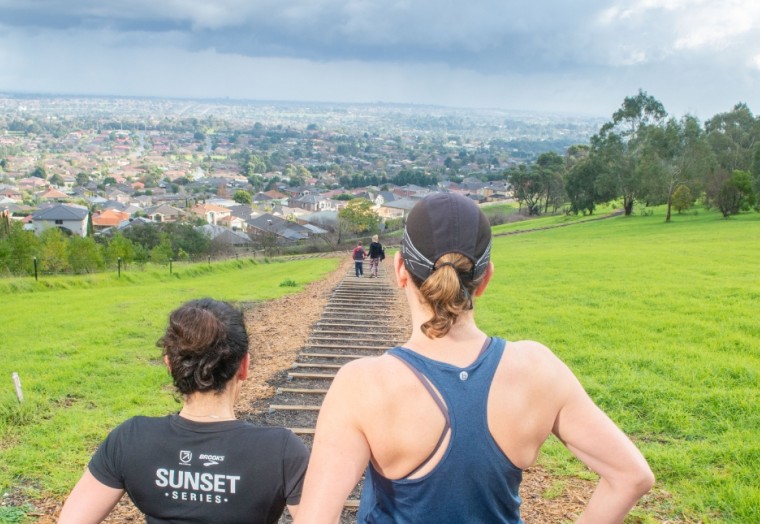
(484, 35)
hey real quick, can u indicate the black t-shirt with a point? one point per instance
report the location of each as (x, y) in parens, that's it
(176, 470)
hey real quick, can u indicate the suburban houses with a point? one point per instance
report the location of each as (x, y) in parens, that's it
(240, 184)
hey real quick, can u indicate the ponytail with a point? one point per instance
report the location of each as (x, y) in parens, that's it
(448, 291)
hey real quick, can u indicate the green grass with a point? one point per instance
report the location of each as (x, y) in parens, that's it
(660, 323)
(85, 351)
(549, 220)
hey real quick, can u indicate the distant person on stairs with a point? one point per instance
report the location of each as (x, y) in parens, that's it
(444, 426)
(201, 464)
(376, 254)
(359, 255)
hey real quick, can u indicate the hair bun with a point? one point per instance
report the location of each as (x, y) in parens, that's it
(196, 330)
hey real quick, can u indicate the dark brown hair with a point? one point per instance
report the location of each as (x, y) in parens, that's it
(205, 342)
(448, 291)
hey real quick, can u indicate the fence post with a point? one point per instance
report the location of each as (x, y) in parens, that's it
(17, 384)
(35, 268)
(170, 265)
(118, 263)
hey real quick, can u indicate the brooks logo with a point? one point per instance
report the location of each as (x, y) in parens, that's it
(211, 460)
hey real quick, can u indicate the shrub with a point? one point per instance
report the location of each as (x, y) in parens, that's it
(682, 198)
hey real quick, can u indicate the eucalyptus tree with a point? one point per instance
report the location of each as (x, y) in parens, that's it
(528, 187)
(733, 136)
(618, 146)
(673, 155)
(550, 168)
(580, 186)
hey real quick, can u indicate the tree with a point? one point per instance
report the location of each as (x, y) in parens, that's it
(145, 235)
(56, 180)
(54, 250)
(732, 136)
(19, 249)
(90, 227)
(682, 198)
(723, 193)
(617, 146)
(673, 155)
(358, 217)
(185, 237)
(527, 185)
(551, 169)
(242, 197)
(743, 182)
(122, 248)
(39, 172)
(580, 185)
(85, 255)
(83, 179)
(161, 253)
(152, 176)
(5, 225)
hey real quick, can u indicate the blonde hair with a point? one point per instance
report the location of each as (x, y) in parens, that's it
(448, 291)
(375, 238)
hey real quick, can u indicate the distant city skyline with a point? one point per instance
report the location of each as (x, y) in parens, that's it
(696, 56)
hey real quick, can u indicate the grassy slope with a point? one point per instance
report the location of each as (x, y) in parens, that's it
(659, 321)
(656, 320)
(85, 351)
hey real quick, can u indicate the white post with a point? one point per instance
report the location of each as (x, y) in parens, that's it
(17, 383)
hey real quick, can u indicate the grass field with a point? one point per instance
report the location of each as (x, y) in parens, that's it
(660, 323)
(85, 351)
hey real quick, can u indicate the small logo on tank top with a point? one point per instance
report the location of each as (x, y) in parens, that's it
(463, 376)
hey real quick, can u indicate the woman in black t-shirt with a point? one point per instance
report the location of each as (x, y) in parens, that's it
(202, 464)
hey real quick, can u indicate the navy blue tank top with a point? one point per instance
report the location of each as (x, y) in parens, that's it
(474, 481)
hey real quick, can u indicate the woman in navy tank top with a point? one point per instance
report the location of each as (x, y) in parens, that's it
(444, 426)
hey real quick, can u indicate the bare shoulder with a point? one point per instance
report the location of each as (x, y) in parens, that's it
(367, 366)
(365, 374)
(532, 359)
(531, 353)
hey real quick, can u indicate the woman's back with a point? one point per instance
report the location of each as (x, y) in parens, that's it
(447, 430)
(176, 469)
(405, 423)
(464, 450)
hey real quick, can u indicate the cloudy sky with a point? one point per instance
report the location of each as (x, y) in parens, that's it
(571, 56)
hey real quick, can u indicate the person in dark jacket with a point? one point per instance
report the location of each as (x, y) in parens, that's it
(376, 254)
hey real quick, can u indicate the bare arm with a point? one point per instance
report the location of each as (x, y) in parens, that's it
(595, 439)
(339, 455)
(89, 502)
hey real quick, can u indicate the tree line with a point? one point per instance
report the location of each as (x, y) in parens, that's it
(642, 156)
(57, 252)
